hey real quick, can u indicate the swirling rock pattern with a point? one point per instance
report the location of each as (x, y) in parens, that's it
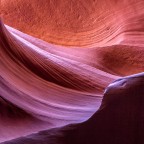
(120, 119)
(78, 23)
(57, 57)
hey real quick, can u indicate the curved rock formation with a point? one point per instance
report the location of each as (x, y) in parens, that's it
(46, 84)
(57, 57)
(120, 119)
(78, 23)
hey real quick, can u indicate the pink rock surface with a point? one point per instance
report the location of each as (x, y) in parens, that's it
(57, 58)
(120, 119)
(85, 23)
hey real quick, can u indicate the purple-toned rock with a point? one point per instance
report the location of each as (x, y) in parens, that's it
(120, 119)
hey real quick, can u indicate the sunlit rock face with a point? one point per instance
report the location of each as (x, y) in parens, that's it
(57, 58)
(86, 23)
(119, 119)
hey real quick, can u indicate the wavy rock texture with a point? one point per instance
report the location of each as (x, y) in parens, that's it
(78, 23)
(120, 119)
(56, 59)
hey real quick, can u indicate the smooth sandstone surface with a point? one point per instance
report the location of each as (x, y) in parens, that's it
(120, 119)
(85, 23)
(57, 58)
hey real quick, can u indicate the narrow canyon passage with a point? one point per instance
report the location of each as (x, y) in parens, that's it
(58, 57)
